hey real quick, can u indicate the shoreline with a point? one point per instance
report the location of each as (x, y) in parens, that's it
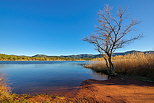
(118, 90)
(115, 90)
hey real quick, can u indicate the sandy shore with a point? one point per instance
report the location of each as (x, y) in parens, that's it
(117, 91)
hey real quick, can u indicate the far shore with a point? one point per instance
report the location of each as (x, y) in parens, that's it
(45, 60)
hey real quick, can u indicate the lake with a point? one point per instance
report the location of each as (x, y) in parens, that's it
(45, 77)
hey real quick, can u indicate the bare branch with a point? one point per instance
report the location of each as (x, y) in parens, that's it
(111, 32)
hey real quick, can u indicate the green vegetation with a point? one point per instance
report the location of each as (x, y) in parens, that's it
(138, 64)
(4, 57)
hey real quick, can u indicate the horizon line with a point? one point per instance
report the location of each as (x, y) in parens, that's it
(74, 54)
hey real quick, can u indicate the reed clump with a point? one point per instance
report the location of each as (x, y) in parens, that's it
(136, 64)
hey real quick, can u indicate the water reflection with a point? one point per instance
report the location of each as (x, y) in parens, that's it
(46, 76)
(99, 76)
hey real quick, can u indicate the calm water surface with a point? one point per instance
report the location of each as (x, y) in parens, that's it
(45, 76)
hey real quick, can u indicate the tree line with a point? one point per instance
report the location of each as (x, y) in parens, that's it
(4, 57)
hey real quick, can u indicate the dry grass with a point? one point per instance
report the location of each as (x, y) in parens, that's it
(137, 63)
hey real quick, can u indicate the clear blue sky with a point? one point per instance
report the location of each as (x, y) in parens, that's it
(56, 27)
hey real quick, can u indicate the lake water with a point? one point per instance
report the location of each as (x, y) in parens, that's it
(35, 77)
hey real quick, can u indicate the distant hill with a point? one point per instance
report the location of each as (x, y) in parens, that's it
(83, 56)
(94, 55)
(133, 51)
(40, 55)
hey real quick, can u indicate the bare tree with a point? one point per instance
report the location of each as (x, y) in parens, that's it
(111, 34)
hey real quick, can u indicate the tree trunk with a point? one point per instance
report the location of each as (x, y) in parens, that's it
(107, 64)
(111, 66)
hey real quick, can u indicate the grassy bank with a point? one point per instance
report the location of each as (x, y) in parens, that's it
(132, 64)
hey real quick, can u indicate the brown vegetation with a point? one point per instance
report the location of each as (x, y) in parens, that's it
(137, 64)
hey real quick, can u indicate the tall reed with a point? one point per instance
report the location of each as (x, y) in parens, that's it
(136, 63)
